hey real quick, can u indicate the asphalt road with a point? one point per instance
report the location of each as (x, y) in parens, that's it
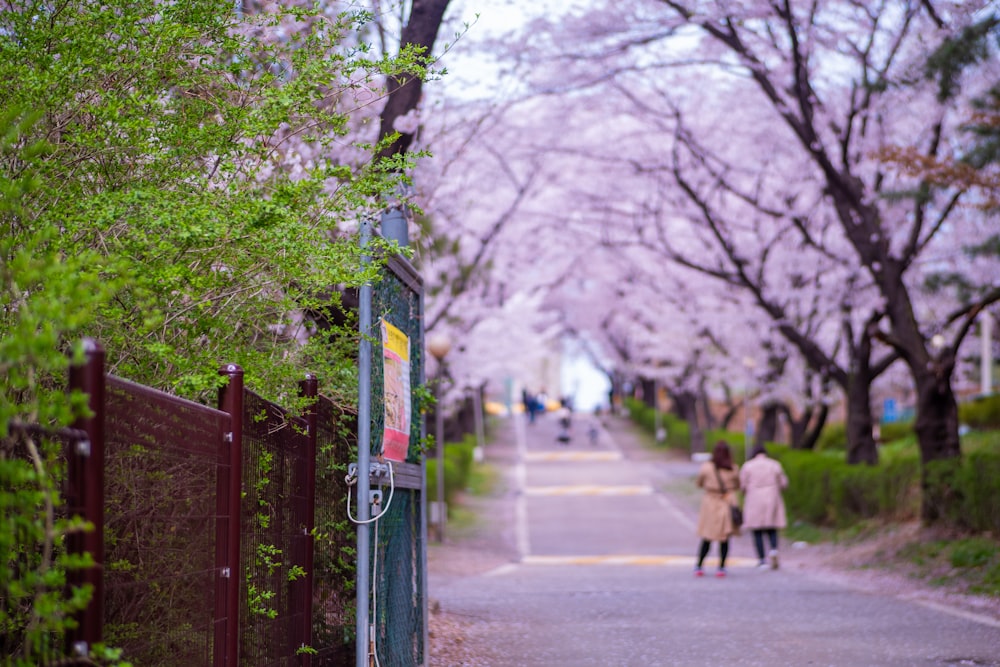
(605, 542)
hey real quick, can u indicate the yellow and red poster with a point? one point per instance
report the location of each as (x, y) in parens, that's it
(396, 380)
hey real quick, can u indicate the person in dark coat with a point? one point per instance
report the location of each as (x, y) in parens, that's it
(719, 478)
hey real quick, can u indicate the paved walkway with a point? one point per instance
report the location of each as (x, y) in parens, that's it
(584, 557)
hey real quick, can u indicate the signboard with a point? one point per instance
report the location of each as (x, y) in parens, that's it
(396, 380)
(889, 411)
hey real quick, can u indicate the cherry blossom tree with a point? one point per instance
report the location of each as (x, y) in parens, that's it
(838, 83)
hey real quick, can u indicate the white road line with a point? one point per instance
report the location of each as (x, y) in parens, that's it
(573, 456)
(588, 490)
(960, 613)
(521, 526)
(676, 512)
(521, 534)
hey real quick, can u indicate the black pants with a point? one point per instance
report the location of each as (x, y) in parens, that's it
(758, 540)
(723, 552)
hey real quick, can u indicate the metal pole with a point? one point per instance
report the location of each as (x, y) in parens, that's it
(86, 496)
(477, 404)
(749, 364)
(658, 434)
(364, 634)
(746, 424)
(986, 361)
(439, 437)
(424, 537)
(231, 401)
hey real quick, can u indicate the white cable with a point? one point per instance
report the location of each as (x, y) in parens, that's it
(374, 619)
(392, 492)
(374, 577)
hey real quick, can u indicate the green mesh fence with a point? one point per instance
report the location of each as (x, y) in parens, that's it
(334, 599)
(397, 558)
(275, 448)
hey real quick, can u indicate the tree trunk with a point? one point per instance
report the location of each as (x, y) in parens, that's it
(686, 407)
(406, 89)
(648, 388)
(861, 447)
(937, 418)
(767, 426)
(937, 410)
(937, 432)
(806, 429)
(706, 407)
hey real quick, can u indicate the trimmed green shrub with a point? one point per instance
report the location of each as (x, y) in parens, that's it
(833, 436)
(825, 490)
(981, 413)
(943, 496)
(458, 459)
(678, 431)
(980, 483)
(893, 431)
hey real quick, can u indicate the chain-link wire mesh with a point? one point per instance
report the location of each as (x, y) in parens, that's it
(398, 553)
(275, 461)
(162, 461)
(334, 598)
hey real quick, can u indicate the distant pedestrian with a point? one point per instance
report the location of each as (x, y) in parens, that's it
(763, 479)
(564, 425)
(719, 478)
(564, 416)
(530, 403)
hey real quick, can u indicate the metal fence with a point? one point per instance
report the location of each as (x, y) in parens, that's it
(398, 549)
(221, 537)
(165, 460)
(203, 525)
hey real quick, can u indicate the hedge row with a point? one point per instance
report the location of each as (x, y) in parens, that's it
(458, 458)
(982, 413)
(678, 435)
(825, 490)
(966, 493)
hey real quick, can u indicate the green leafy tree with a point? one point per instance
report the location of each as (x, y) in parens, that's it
(202, 155)
(184, 190)
(46, 297)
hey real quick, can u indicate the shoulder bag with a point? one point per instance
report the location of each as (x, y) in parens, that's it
(734, 510)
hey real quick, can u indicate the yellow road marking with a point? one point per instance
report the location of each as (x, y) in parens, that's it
(572, 456)
(588, 490)
(640, 560)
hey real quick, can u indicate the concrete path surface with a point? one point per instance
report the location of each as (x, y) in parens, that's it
(586, 556)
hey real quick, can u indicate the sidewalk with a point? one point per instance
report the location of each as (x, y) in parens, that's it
(490, 543)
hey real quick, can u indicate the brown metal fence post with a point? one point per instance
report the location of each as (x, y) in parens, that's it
(85, 497)
(231, 401)
(310, 389)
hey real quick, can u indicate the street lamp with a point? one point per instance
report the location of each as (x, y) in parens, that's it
(439, 345)
(749, 363)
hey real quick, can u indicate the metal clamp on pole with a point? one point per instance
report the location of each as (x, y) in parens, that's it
(377, 473)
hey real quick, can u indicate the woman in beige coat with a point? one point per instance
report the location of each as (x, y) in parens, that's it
(763, 479)
(719, 478)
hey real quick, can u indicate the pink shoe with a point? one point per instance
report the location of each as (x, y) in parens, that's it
(698, 572)
(721, 572)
